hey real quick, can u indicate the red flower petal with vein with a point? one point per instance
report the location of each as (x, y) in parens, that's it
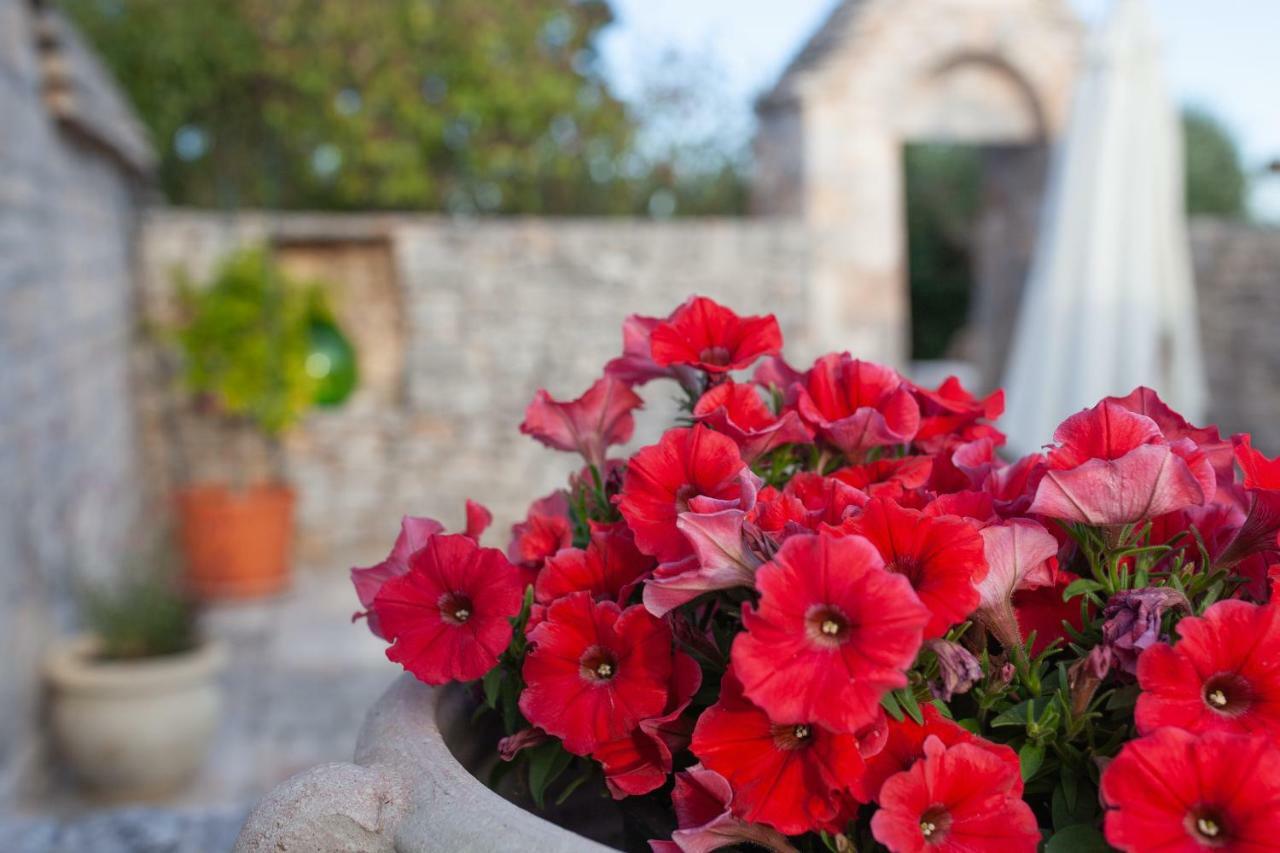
(1042, 610)
(545, 530)
(833, 632)
(1176, 791)
(663, 478)
(594, 671)
(826, 500)
(951, 409)
(414, 534)
(588, 425)
(1261, 528)
(636, 365)
(904, 746)
(736, 410)
(1174, 426)
(857, 405)
(1113, 466)
(942, 558)
(1223, 674)
(888, 477)
(793, 777)
(448, 618)
(641, 761)
(609, 568)
(704, 334)
(702, 800)
(959, 798)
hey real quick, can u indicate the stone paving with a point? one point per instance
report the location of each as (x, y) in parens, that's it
(300, 680)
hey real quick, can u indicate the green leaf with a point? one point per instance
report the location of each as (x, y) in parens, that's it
(492, 686)
(1018, 714)
(891, 707)
(546, 763)
(1083, 811)
(907, 700)
(1077, 838)
(571, 787)
(1031, 756)
(1080, 587)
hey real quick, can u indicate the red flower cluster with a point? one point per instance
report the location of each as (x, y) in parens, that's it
(827, 603)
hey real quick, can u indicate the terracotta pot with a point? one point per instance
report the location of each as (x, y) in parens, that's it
(408, 791)
(133, 729)
(238, 543)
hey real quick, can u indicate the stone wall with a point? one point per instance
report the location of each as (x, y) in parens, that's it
(458, 322)
(68, 473)
(482, 314)
(1238, 275)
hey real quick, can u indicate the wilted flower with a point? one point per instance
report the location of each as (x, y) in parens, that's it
(958, 669)
(1131, 621)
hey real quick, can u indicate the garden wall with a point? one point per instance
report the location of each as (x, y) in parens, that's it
(457, 323)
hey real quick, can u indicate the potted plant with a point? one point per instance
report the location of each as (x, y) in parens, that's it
(822, 613)
(260, 349)
(134, 701)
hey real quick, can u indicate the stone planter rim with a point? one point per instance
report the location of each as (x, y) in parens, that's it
(70, 666)
(406, 792)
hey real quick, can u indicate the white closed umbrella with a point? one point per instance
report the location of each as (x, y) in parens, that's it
(1110, 302)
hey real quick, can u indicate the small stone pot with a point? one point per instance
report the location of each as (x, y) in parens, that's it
(407, 791)
(137, 729)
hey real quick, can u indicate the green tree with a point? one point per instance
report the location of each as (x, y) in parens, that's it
(1216, 182)
(495, 106)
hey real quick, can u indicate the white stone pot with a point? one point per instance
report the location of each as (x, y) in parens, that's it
(406, 791)
(133, 729)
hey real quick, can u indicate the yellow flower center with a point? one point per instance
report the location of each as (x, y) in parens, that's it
(1208, 827)
(928, 828)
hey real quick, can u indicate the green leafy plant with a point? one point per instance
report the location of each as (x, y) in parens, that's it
(141, 616)
(246, 338)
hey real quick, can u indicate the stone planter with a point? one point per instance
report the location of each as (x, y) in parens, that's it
(133, 729)
(409, 791)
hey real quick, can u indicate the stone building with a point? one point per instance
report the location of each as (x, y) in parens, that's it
(72, 160)
(877, 76)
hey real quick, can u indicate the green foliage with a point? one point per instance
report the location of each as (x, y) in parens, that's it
(438, 104)
(141, 616)
(943, 192)
(1215, 177)
(246, 338)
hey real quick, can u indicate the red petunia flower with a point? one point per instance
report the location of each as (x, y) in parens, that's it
(959, 798)
(1041, 611)
(641, 761)
(594, 671)
(857, 405)
(1222, 675)
(827, 500)
(833, 632)
(588, 425)
(663, 478)
(545, 530)
(795, 777)
(609, 568)
(448, 617)
(1020, 554)
(904, 746)
(952, 410)
(1113, 466)
(414, 534)
(942, 558)
(702, 799)
(706, 335)
(1176, 791)
(721, 560)
(888, 477)
(1174, 426)
(636, 365)
(736, 410)
(1260, 531)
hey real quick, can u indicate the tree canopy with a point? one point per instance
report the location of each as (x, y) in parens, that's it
(450, 105)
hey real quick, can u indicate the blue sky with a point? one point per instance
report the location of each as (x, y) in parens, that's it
(1219, 53)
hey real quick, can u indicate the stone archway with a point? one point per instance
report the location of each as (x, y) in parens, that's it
(995, 73)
